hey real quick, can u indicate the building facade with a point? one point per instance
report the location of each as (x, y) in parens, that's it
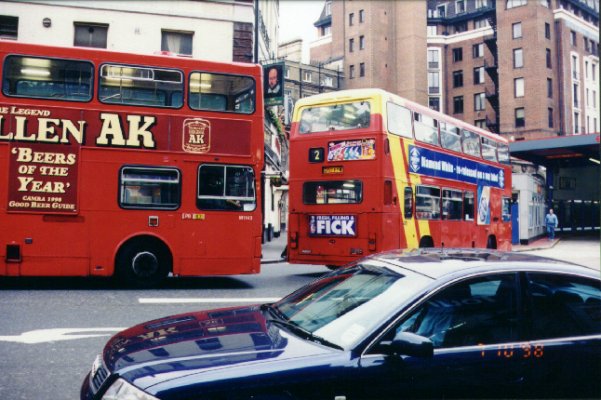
(373, 40)
(186, 28)
(523, 69)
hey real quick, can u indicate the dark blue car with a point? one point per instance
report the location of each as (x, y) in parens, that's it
(429, 323)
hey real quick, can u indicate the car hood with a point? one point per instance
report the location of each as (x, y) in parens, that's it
(186, 344)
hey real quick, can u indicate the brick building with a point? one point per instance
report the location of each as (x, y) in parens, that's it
(524, 69)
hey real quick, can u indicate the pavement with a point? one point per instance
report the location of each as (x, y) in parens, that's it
(272, 251)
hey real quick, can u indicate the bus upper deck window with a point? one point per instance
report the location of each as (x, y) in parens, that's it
(337, 117)
(220, 92)
(48, 78)
(426, 128)
(140, 86)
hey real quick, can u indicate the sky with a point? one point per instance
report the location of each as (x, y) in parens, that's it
(296, 20)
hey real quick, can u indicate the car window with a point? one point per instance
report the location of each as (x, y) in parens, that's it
(563, 306)
(478, 311)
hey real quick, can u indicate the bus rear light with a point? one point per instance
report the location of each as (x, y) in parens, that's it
(371, 242)
(293, 240)
(13, 253)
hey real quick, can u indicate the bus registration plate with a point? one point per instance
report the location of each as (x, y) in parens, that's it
(333, 225)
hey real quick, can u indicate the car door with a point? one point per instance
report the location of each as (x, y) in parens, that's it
(565, 335)
(473, 325)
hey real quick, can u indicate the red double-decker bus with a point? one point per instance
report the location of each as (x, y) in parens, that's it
(370, 171)
(130, 165)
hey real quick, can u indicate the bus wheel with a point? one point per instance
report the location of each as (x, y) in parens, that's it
(332, 267)
(426, 241)
(143, 263)
(491, 243)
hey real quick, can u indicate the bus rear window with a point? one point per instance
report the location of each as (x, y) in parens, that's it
(337, 117)
(219, 92)
(150, 187)
(226, 187)
(333, 192)
(141, 86)
(48, 78)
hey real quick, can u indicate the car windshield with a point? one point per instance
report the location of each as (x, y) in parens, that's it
(344, 306)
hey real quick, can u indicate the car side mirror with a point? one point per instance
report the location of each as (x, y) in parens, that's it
(410, 344)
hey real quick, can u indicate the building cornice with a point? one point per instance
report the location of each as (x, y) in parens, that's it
(576, 23)
(460, 37)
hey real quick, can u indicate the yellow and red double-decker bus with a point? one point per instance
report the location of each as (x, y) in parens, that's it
(127, 164)
(371, 171)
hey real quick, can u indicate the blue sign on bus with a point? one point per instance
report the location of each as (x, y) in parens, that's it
(441, 165)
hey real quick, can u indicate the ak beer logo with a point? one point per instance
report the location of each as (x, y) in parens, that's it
(197, 135)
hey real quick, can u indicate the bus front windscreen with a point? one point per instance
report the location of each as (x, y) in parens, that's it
(336, 117)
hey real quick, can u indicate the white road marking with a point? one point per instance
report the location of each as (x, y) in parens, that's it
(57, 334)
(181, 300)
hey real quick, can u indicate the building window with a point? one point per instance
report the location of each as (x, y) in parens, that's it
(575, 69)
(576, 122)
(90, 35)
(351, 45)
(459, 7)
(481, 23)
(480, 123)
(576, 92)
(457, 54)
(351, 17)
(361, 42)
(351, 71)
(515, 3)
(478, 50)
(458, 105)
(433, 83)
(573, 38)
(434, 103)
(442, 11)
(328, 8)
(361, 16)
(433, 59)
(362, 69)
(307, 76)
(177, 42)
(461, 27)
(478, 75)
(432, 30)
(518, 87)
(518, 58)
(547, 30)
(326, 30)
(457, 79)
(548, 57)
(586, 44)
(550, 117)
(516, 30)
(479, 99)
(520, 118)
(9, 27)
(550, 88)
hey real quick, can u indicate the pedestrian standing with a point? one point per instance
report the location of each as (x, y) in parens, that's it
(551, 223)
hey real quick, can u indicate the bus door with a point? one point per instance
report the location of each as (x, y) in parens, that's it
(453, 233)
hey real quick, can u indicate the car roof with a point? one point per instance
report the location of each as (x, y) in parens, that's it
(437, 263)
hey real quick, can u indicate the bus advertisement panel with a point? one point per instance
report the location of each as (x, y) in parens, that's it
(130, 165)
(370, 171)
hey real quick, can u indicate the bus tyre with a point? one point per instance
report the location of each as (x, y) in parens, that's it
(143, 264)
(491, 243)
(332, 267)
